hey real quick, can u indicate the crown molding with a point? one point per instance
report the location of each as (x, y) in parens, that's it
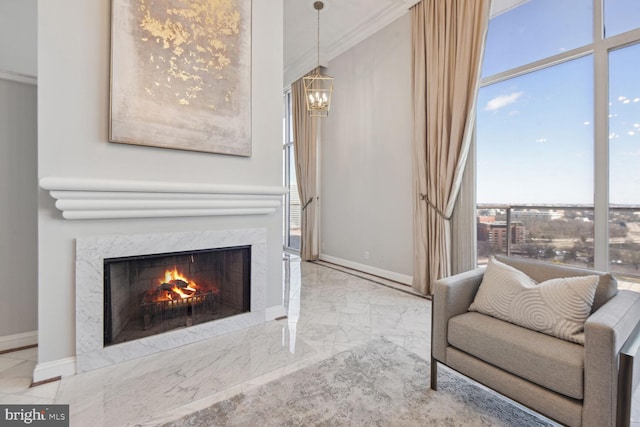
(378, 21)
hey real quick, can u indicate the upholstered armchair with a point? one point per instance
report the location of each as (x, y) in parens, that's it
(575, 384)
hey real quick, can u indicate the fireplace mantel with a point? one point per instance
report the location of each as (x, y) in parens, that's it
(79, 198)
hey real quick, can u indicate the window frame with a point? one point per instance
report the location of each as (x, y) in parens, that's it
(599, 49)
(287, 153)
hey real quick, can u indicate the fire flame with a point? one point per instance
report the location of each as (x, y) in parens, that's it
(170, 276)
(175, 289)
(182, 294)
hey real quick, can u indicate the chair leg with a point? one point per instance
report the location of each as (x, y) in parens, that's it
(625, 389)
(434, 374)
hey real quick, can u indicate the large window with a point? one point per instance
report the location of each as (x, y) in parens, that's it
(291, 217)
(558, 134)
(624, 160)
(535, 137)
(536, 30)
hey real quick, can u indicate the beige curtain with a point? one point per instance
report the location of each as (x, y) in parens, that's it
(447, 42)
(305, 144)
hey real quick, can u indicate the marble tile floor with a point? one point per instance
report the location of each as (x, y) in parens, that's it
(329, 310)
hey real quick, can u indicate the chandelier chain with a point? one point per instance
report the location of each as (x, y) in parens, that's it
(318, 37)
(318, 87)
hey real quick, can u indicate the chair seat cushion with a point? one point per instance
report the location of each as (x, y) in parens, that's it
(550, 362)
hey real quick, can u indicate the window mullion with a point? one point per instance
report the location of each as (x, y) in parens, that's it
(601, 142)
(537, 65)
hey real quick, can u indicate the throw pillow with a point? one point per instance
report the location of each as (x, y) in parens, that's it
(557, 307)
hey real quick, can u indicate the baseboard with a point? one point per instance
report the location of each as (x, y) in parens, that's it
(385, 274)
(272, 313)
(56, 368)
(24, 339)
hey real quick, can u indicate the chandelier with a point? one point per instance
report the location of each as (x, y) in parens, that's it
(318, 87)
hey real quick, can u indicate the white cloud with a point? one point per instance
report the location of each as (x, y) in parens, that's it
(502, 101)
(541, 140)
(587, 123)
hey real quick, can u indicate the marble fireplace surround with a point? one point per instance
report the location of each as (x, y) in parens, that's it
(90, 254)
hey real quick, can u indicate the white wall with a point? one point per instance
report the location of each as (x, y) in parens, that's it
(18, 36)
(18, 207)
(73, 102)
(366, 156)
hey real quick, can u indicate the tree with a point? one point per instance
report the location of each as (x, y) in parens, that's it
(549, 252)
(571, 254)
(631, 254)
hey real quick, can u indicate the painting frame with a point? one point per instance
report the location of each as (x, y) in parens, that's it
(180, 75)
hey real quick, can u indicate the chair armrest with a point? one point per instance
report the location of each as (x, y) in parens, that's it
(451, 297)
(606, 331)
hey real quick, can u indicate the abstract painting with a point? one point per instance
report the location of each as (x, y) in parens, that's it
(181, 74)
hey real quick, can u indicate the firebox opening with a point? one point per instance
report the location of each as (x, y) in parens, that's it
(150, 294)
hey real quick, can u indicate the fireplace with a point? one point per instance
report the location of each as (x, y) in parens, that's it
(127, 288)
(151, 294)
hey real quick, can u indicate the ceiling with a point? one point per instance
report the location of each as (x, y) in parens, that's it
(343, 24)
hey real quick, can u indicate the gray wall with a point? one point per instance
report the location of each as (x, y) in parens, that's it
(18, 172)
(366, 156)
(73, 103)
(18, 208)
(18, 36)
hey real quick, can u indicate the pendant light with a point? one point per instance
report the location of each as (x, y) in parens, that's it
(318, 87)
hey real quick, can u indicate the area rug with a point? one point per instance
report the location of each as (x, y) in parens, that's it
(374, 384)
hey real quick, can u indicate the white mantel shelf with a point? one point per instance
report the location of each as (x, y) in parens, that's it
(79, 198)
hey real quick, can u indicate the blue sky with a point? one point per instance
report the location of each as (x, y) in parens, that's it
(624, 125)
(535, 132)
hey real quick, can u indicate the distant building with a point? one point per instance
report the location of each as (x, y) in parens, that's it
(495, 232)
(486, 219)
(547, 215)
(488, 212)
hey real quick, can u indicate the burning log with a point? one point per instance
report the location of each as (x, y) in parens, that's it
(175, 296)
(177, 283)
